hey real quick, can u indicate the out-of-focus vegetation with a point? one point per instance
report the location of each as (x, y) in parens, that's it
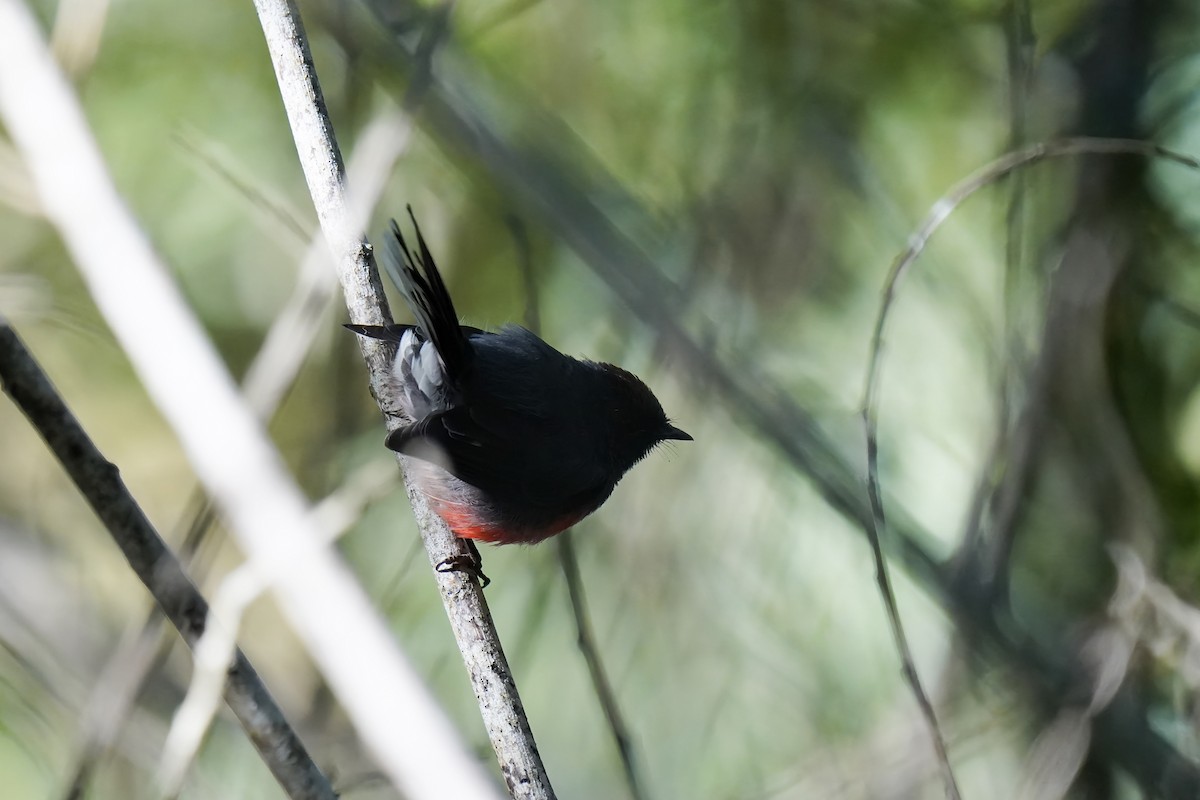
(1040, 429)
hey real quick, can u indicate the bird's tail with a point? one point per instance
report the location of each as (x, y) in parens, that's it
(417, 278)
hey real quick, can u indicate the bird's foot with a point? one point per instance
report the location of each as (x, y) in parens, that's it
(470, 564)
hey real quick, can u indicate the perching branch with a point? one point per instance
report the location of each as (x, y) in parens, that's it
(100, 482)
(500, 705)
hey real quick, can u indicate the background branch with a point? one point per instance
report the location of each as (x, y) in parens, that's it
(396, 717)
(270, 375)
(101, 485)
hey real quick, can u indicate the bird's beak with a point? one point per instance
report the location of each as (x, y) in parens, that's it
(671, 432)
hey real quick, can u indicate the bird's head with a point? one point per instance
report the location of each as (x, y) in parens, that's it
(637, 420)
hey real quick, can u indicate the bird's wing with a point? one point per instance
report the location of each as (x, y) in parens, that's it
(493, 453)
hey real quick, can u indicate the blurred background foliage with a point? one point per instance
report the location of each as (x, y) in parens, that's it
(766, 161)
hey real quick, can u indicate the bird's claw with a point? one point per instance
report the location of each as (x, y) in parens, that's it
(470, 564)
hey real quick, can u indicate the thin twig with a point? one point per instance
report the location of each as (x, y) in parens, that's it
(586, 639)
(101, 485)
(470, 620)
(908, 664)
(1021, 49)
(989, 174)
(937, 215)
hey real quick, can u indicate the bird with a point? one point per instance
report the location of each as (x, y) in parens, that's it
(511, 440)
